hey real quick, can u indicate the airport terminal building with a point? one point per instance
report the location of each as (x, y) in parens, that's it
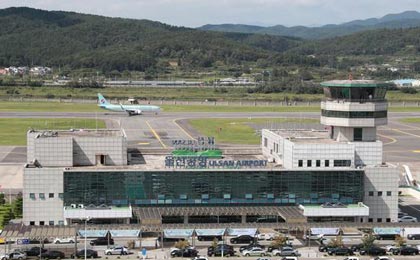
(301, 176)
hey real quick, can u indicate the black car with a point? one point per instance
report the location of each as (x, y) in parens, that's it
(340, 251)
(407, 250)
(324, 248)
(227, 250)
(89, 254)
(386, 236)
(187, 252)
(101, 241)
(252, 245)
(243, 239)
(356, 248)
(413, 236)
(34, 251)
(209, 238)
(53, 255)
(373, 251)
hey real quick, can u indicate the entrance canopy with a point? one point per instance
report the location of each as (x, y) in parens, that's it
(241, 231)
(210, 232)
(93, 233)
(178, 233)
(125, 233)
(387, 231)
(325, 231)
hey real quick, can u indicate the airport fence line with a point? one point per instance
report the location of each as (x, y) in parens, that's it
(246, 103)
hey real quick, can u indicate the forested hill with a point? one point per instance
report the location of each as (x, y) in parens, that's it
(53, 38)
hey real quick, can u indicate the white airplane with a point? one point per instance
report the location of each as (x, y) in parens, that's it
(130, 109)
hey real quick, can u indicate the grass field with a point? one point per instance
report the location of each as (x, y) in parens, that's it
(238, 130)
(13, 130)
(411, 120)
(72, 107)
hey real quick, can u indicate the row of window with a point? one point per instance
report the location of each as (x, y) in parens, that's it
(42, 196)
(379, 193)
(337, 163)
(51, 223)
(379, 220)
(354, 114)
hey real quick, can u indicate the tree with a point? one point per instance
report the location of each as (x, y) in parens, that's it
(279, 241)
(400, 241)
(2, 200)
(368, 240)
(182, 244)
(17, 206)
(214, 242)
(336, 242)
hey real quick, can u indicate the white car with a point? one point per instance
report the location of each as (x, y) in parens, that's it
(14, 256)
(200, 258)
(255, 251)
(382, 258)
(65, 240)
(407, 219)
(117, 250)
(351, 258)
(389, 248)
(314, 237)
(266, 236)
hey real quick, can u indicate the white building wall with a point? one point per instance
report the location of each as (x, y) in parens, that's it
(378, 182)
(270, 151)
(54, 151)
(338, 105)
(42, 181)
(368, 153)
(86, 148)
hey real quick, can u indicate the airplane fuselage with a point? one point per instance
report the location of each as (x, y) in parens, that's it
(124, 108)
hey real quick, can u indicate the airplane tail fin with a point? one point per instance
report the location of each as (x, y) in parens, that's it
(102, 100)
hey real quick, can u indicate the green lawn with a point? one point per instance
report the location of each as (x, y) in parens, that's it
(411, 120)
(13, 130)
(238, 130)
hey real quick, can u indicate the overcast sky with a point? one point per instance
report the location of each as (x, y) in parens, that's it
(193, 13)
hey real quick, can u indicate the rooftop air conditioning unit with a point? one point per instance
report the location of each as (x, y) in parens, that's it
(73, 206)
(81, 206)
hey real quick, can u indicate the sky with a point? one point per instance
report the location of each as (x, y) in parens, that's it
(194, 13)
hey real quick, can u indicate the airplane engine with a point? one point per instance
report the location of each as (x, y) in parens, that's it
(138, 112)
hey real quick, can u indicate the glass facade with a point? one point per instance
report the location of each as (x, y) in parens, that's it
(355, 94)
(354, 114)
(212, 187)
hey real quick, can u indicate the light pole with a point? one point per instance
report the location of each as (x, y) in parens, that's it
(86, 219)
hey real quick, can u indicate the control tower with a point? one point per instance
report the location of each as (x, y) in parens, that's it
(353, 109)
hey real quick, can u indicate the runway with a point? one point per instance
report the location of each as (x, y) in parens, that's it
(401, 140)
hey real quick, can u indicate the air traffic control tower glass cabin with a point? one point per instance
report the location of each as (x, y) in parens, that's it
(354, 108)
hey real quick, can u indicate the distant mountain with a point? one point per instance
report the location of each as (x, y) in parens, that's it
(54, 38)
(406, 19)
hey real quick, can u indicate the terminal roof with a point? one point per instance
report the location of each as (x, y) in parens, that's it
(78, 133)
(355, 83)
(305, 136)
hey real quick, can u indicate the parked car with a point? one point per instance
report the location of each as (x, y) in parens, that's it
(351, 258)
(200, 258)
(356, 248)
(289, 258)
(313, 237)
(89, 254)
(373, 251)
(117, 250)
(252, 245)
(393, 247)
(227, 250)
(340, 251)
(263, 258)
(383, 258)
(407, 219)
(35, 251)
(324, 248)
(63, 240)
(286, 251)
(243, 239)
(14, 255)
(255, 251)
(413, 236)
(402, 214)
(266, 236)
(209, 238)
(53, 254)
(287, 244)
(187, 252)
(386, 236)
(407, 250)
(101, 241)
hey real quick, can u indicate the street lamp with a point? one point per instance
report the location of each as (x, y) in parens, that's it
(86, 219)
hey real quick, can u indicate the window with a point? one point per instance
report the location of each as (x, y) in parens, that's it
(370, 193)
(42, 196)
(379, 193)
(32, 196)
(50, 195)
(51, 223)
(318, 163)
(265, 142)
(183, 197)
(342, 163)
(309, 163)
(61, 222)
(388, 220)
(379, 220)
(370, 220)
(226, 196)
(31, 223)
(41, 223)
(61, 195)
(300, 163)
(327, 163)
(358, 134)
(388, 193)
